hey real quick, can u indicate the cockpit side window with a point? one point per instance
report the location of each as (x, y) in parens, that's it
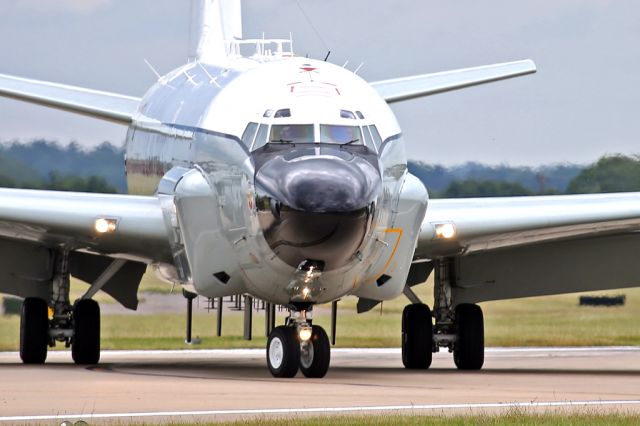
(377, 140)
(261, 137)
(330, 133)
(293, 133)
(368, 140)
(249, 134)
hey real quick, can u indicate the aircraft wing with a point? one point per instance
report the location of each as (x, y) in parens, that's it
(35, 224)
(94, 103)
(400, 89)
(53, 218)
(526, 246)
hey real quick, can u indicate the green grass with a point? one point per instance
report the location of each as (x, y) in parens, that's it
(539, 321)
(478, 420)
(511, 418)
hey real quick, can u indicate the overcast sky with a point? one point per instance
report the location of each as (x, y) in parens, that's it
(583, 102)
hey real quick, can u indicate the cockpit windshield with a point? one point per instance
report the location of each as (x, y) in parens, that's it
(257, 135)
(330, 133)
(291, 133)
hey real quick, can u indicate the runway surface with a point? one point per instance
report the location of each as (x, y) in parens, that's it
(229, 384)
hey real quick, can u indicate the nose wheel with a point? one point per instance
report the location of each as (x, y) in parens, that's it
(315, 354)
(287, 353)
(283, 352)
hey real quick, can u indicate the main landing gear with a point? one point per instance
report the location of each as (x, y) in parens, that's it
(43, 324)
(298, 345)
(460, 329)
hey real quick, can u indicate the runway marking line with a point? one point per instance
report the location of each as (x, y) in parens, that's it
(325, 410)
(359, 351)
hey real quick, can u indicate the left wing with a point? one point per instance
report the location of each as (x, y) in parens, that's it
(94, 103)
(400, 89)
(526, 246)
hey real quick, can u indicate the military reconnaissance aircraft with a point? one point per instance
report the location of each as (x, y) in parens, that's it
(254, 171)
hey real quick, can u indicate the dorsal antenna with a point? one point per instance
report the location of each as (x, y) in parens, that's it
(212, 79)
(153, 70)
(162, 80)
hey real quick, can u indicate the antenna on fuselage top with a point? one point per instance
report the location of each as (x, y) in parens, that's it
(212, 79)
(160, 78)
(327, 57)
(313, 27)
(358, 69)
(153, 70)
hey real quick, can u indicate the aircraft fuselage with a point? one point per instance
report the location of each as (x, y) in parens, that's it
(283, 178)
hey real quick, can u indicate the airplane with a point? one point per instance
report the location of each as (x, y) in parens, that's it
(253, 171)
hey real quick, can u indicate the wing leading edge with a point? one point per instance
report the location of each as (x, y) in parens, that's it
(52, 218)
(493, 223)
(505, 248)
(404, 88)
(94, 103)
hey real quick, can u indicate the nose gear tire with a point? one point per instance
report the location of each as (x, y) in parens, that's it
(283, 352)
(315, 354)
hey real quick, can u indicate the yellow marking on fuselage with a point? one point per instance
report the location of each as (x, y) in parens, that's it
(400, 232)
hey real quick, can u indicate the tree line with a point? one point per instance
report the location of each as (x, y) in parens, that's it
(615, 173)
(43, 164)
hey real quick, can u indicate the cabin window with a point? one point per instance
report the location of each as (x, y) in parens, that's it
(330, 133)
(249, 134)
(291, 133)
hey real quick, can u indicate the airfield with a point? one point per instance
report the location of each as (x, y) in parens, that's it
(218, 385)
(534, 365)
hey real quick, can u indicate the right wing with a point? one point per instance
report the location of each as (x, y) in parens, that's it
(94, 103)
(401, 89)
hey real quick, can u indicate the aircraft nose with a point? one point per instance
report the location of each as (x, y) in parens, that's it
(320, 185)
(316, 208)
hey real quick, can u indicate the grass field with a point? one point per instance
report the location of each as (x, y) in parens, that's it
(540, 321)
(486, 420)
(515, 418)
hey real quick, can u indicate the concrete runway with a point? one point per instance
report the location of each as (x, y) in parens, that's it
(229, 384)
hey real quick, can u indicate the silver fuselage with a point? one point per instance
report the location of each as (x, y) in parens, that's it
(261, 219)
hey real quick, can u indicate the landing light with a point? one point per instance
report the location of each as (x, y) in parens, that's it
(445, 230)
(304, 333)
(105, 225)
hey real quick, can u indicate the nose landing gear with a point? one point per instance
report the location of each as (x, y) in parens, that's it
(315, 354)
(291, 348)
